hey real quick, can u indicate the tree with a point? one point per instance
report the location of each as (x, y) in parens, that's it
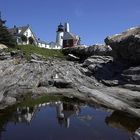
(23, 38)
(5, 37)
(31, 41)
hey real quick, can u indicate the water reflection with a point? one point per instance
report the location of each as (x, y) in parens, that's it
(123, 121)
(92, 123)
(64, 111)
(24, 114)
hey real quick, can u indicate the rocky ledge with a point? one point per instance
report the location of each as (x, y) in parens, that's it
(126, 45)
(97, 77)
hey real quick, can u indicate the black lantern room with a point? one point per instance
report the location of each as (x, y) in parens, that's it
(60, 28)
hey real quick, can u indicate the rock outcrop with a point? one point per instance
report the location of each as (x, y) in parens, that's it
(132, 75)
(19, 76)
(83, 53)
(105, 70)
(71, 57)
(126, 46)
(136, 135)
(115, 98)
(2, 46)
(67, 78)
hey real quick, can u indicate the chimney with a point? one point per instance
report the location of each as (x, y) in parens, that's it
(67, 27)
(15, 30)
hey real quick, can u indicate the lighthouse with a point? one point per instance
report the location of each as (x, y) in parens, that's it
(60, 34)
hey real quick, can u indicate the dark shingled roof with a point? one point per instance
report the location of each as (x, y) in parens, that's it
(14, 31)
(68, 35)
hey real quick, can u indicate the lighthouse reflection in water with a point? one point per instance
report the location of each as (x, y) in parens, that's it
(63, 112)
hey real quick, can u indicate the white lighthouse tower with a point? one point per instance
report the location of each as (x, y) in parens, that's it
(60, 34)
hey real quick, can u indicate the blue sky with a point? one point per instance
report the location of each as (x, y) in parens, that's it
(92, 20)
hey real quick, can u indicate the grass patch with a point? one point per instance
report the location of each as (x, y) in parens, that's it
(28, 101)
(47, 53)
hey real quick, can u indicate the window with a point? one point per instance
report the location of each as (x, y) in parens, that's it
(26, 34)
(67, 42)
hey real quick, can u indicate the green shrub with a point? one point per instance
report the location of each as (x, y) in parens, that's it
(23, 38)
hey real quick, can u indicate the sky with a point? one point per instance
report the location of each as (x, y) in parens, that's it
(92, 20)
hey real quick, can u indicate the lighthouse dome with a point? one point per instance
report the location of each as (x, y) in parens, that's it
(60, 28)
